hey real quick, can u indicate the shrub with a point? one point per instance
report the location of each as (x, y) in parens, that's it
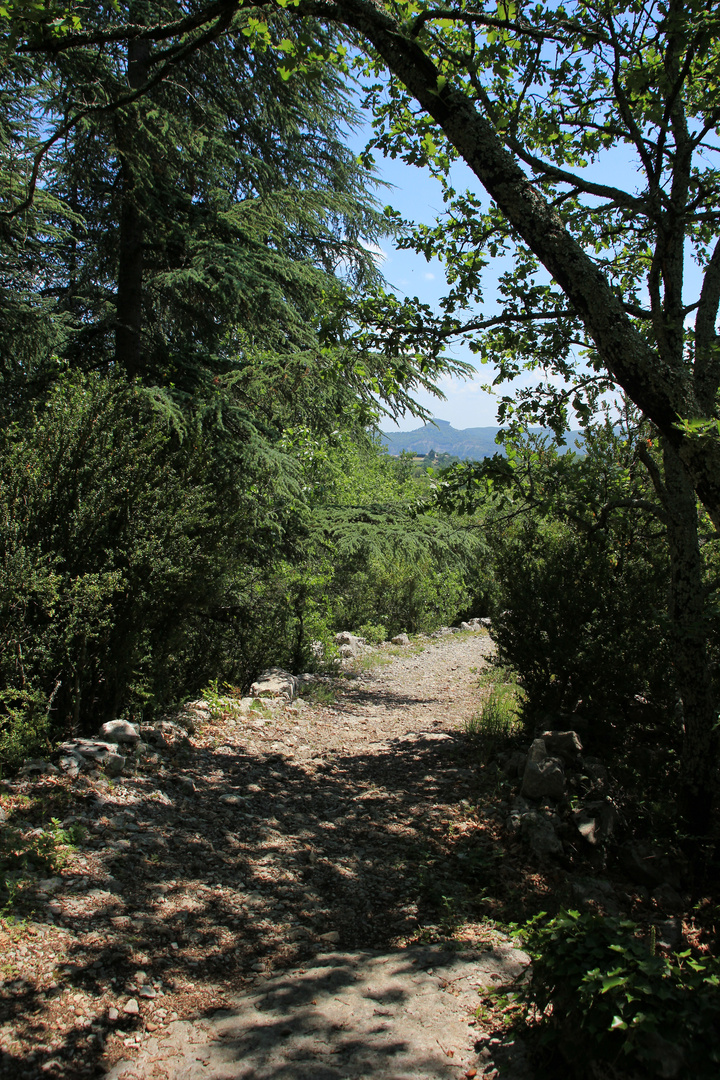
(600, 995)
(374, 633)
(124, 563)
(580, 617)
(404, 593)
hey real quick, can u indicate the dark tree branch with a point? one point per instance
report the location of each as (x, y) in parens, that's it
(631, 504)
(523, 29)
(707, 347)
(654, 473)
(159, 32)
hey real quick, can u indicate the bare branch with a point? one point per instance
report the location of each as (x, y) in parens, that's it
(653, 471)
(523, 28)
(509, 318)
(617, 196)
(626, 111)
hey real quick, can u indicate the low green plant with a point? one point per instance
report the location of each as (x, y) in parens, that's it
(219, 701)
(451, 916)
(499, 720)
(24, 725)
(26, 855)
(374, 633)
(319, 693)
(600, 995)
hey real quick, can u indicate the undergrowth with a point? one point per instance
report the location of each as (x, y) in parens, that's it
(28, 855)
(600, 997)
(499, 720)
(319, 693)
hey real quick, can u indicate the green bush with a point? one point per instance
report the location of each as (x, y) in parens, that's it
(600, 995)
(390, 565)
(134, 565)
(106, 542)
(374, 633)
(405, 594)
(580, 616)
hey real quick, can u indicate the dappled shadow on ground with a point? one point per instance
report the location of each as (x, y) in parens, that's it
(354, 1015)
(359, 696)
(269, 860)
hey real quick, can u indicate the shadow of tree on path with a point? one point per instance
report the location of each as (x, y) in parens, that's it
(269, 860)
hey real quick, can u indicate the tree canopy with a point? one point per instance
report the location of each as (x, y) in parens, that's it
(531, 96)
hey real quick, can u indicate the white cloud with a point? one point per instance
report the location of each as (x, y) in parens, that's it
(429, 277)
(376, 251)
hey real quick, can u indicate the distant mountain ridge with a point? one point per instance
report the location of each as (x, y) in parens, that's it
(470, 444)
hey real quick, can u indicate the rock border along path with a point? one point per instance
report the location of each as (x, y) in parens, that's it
(250, 903)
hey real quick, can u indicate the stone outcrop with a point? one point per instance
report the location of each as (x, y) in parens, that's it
(563, 744)
(120, 731)
(536, 827)
(542, 816)
(275, 683)
(123, 749)
(349, 645)
(544, 776)
(81, 755)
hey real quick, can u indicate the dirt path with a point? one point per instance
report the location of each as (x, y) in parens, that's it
(287, 869)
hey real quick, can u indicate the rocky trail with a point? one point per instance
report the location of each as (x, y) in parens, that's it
(287, 891)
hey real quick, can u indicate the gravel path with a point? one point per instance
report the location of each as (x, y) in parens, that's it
(266, 859)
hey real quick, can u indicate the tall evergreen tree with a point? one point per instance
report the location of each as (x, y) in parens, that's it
(221, 212)
(190, 245)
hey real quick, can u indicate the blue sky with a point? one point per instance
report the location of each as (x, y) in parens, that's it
(418, 197)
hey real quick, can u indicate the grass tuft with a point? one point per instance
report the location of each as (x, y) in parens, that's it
(499, 720)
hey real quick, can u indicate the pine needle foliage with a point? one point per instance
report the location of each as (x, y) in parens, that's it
(181, 296)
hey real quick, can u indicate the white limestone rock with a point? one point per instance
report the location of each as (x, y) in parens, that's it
(349, 644)
(120, 731)
(275, 683)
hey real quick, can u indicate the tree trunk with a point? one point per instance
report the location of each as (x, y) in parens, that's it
(692, 668)
(665, 393)
(129, 304)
